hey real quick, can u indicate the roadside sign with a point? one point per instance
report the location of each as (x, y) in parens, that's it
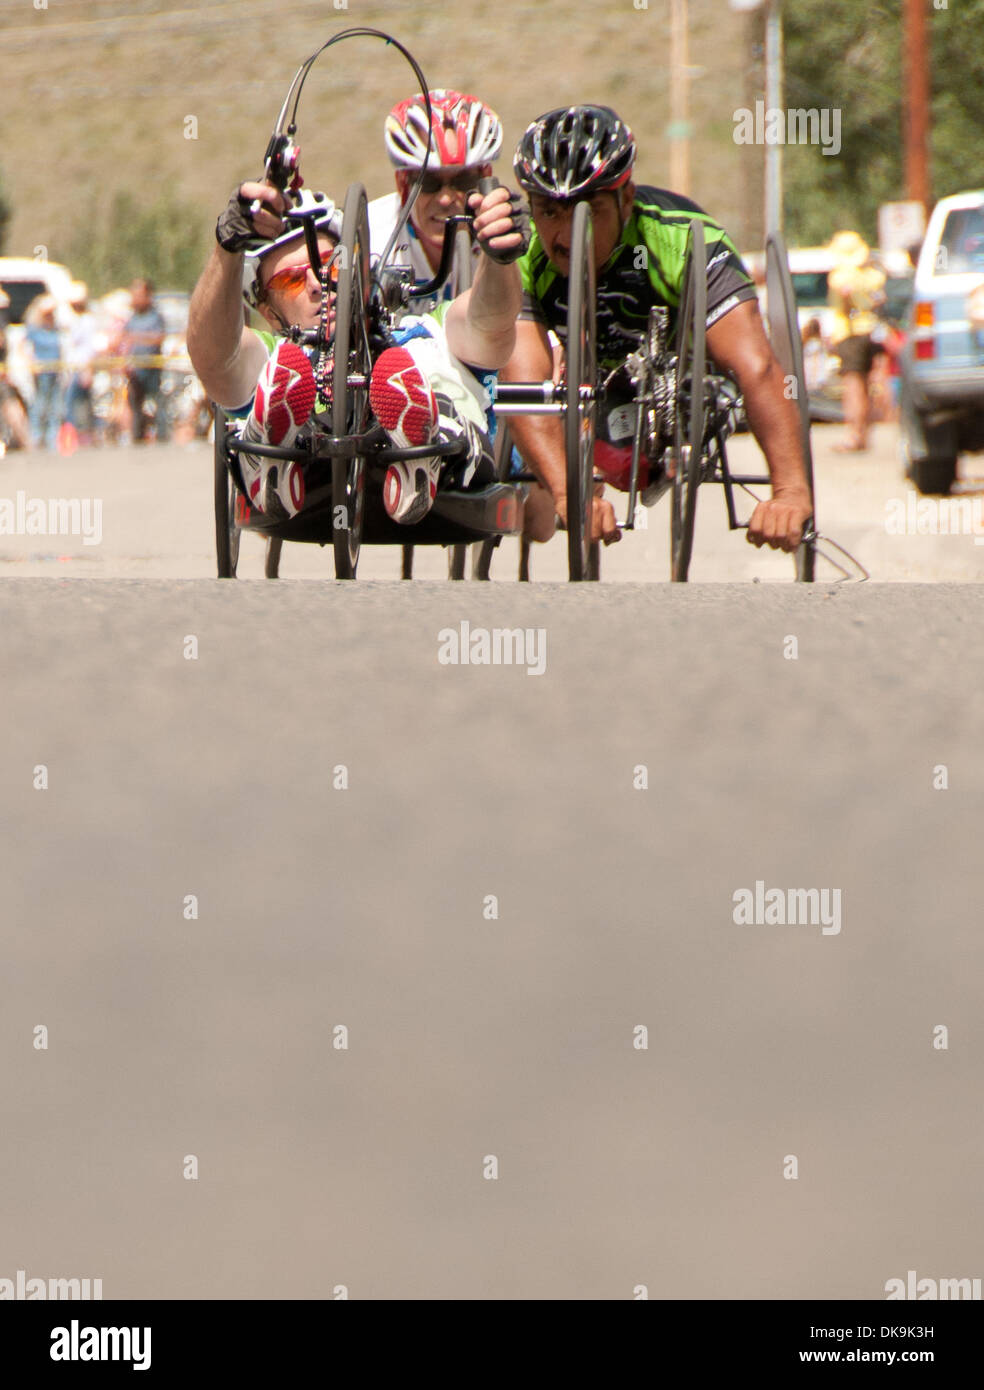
(901, 225)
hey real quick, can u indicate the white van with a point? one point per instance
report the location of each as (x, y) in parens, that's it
(23, 279)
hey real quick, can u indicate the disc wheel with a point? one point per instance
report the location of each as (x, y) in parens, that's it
(581, 373)
(688, 433)
(787, 345)
(350, 405)
(227, 533)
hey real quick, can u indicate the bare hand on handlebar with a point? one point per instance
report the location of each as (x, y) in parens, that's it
(780, 521)
(604, 527)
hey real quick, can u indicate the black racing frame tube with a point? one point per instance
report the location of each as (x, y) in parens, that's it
(349, 446)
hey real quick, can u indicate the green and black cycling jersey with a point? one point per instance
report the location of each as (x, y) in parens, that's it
(645, 269)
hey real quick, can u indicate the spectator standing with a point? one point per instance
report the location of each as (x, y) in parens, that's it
(815, 360)
(80, 353)
(856, 290)
(44, 344)
(15, 431)
(143, 336)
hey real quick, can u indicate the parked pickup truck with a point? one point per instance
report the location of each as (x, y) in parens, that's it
(942, 364)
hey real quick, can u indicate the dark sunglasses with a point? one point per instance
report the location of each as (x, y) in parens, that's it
(461, 183)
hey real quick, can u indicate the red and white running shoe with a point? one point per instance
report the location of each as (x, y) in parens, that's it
(409, 489)
(404, 405)
(283, 488)
(285, 396)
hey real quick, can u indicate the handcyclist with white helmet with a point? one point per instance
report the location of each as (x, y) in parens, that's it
(425, 388)
(586, 153)
(465, 139)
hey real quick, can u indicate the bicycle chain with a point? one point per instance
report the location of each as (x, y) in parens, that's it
(324, 368)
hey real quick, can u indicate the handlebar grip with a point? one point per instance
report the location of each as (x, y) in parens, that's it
(486, 185)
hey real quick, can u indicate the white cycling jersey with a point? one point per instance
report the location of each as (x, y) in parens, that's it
(383, 215)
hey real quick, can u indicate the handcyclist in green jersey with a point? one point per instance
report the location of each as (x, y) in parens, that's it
(583, 153)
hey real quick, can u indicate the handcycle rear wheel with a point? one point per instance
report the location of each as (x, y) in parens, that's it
(787, 345)
(227, 533)
(688, 433)
(581, 372)
(271, 565)
(350, 405)
(502, 449)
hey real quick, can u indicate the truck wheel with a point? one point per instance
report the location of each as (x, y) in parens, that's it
(934, 476)
(930, 451)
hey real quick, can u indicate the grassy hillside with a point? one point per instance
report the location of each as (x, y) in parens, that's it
(99, 92)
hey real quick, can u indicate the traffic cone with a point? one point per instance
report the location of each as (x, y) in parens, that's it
(68, 439)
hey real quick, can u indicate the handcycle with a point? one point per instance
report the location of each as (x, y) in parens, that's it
(346, 452)
(684, 413)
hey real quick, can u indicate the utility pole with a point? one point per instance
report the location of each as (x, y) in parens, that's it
(773, 102)
(915, 119)
(679, 131)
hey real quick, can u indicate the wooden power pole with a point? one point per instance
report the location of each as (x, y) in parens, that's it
(679, 97)
(915, 118)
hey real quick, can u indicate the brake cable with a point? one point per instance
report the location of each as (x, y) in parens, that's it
(282, 155)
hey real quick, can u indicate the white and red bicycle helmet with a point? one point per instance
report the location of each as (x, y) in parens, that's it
(465, 132)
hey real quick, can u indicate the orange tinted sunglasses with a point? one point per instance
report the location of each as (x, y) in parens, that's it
(293, 279)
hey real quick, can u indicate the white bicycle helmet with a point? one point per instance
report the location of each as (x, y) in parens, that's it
(329, 221)
(465, 132)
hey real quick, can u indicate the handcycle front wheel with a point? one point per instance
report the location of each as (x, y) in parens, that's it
(461, 278)
(227, 533)
(350, 405)
(688, 431)
(580, 409)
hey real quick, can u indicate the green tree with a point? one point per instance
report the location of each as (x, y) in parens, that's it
(5, 211)
(166, 241)
(842, 57)
(848, 57)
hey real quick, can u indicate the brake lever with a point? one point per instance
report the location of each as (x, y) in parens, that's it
(460, 219)
(420, 291)
(281, 166)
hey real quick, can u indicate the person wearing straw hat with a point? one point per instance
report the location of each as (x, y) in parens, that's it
(856, 288)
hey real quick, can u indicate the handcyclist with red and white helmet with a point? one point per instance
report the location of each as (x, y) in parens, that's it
(425, 388)
(586, 153)
(466, 137)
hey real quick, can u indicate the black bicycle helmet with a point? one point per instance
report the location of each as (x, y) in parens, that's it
(575, 150)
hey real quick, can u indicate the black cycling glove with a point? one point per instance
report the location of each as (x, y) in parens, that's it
(234, 230)
(520, 223)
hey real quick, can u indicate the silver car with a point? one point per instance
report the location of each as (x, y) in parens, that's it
(942, 365)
